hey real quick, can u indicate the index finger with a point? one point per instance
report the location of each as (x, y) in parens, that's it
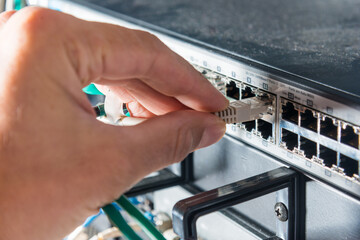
(136, 54)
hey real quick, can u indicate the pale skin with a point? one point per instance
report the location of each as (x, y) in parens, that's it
(58, 164)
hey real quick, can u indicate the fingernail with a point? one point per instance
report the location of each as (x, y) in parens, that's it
(212, 133)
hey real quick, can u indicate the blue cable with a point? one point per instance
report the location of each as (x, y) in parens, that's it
(90, 219)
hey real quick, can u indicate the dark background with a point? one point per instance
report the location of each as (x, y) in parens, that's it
(316, 39)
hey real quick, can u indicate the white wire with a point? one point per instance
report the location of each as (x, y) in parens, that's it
(78, 234)
(108, 233)
(9, 5)
(113, 232)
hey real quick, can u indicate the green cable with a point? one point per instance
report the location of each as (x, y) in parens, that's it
(142, 221)
(92, 90)
(117, 219)
(19, 4)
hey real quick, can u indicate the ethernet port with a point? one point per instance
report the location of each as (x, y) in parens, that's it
(349, 137)
(289, 138)
(308, 146)
(328, 155)
(289, 113)
(247, 92)
(308, 120)
(232, 90)
(350, 166)
(249, 125)
(265, 128)
(328, 128)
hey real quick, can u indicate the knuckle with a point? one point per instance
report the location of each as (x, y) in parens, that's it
(34, 17)
(32, 22)
(151, 49)
(148, 37)
(181, 144)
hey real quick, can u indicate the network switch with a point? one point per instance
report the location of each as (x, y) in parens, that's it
(314, 127)
(303, 131)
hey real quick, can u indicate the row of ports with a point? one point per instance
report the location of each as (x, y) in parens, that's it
(310, 149)
(232, 90)
(324, 125)
(228, 87)
(261, 127)
(303, 117)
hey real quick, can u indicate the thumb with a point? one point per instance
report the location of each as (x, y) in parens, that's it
(163, 140)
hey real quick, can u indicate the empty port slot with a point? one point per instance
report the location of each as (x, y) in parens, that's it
(308, 120)
(289, 138)
(308, 146)
(328, 128)
(328, 155)
(247, 92)
(349, 137)
(250, 125)
(265, 128)
(289, 113)
(349, 165)
(232, 90)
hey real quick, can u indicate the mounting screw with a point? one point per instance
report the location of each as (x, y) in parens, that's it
(281, 211)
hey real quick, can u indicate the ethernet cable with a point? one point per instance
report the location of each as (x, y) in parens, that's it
(8, 5)
(80, 232)
(238, 111)
(113, 213)
(91, 219)
(117, 219)
(92, 90)
(108, 233)
(113, 233)
(245, 110)
(140, 219)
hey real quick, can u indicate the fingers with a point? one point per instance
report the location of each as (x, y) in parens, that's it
(97, 50)
(116, 97)
(4, 17)
(125, 53)
(161, 141)
(138, 110)
(134, 90)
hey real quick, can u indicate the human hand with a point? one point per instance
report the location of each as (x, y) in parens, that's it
(58, 163)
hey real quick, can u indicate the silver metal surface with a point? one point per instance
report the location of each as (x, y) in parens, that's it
(214, 226)
(230, 161)
(2, 5)
(330, 214)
